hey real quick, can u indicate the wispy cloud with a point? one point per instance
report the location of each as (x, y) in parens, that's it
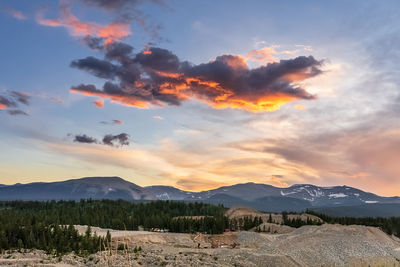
(15, 13)
(111, 33)
(113, 122)
(16, 112)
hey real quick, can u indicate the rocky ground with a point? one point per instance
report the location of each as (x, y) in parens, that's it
(326, 245)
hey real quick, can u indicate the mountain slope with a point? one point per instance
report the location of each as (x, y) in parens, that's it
(269, 198)
(75, 189)
(163, 192)
(258, 196)
(366, 210)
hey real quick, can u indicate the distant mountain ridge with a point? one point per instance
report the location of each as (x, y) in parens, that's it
(258, 196)
(76, 189)
(314, 195)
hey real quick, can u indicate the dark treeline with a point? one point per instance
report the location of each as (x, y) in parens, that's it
(390, 226)
(298, 222)
(49, 225)
(119, 214)
(55, 239)
(245, 223)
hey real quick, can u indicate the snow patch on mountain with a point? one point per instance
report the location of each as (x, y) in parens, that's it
(338, 195)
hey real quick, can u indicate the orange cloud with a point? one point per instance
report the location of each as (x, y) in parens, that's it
(158, 117)
(263, 55)
(278, 181)
(99, 103)
(2, 106)
(111, 33)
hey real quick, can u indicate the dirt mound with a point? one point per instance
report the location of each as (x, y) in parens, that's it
(339, 245)
(238, 212)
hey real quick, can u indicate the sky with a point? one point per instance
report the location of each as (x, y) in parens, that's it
(201, 94)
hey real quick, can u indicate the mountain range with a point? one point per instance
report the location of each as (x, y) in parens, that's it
(298, 197)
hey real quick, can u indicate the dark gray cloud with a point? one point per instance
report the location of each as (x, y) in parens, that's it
(12, 100)
(119, 4)
(83, 138)
(97, 67)
(119, 51)
(156, 76)
(95, 43)
(109, 139)
(16, 112)
(6, 103)
(116, 140)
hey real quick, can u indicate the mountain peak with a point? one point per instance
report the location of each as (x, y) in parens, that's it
(74, 189)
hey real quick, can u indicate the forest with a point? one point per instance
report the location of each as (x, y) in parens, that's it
(49, 225)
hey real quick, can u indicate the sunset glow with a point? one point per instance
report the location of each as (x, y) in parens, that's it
(182, 94)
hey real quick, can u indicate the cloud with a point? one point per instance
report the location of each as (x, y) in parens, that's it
(277, 179)
(156, 77)
(16, 112)
(110, 33)
(21, 97)
(15, 13)
(109, 139)
(123, 11)
(158, 117)
(51, 98)
(123, 6)
(6, 103)
(114, 122)
(267, 54)
(97, 67)
(119, 122)
(115, 140)
(56, 99)
(12, 100)
(194, 183)
(99, 103)
(83, 138)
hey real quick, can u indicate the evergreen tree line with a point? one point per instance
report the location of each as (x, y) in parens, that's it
(244, 223)
(54, 239)
(297, 222)
(390, 226)
(49, 225)
(114, 214)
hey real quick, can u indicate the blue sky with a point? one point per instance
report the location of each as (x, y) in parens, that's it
(347, 133)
